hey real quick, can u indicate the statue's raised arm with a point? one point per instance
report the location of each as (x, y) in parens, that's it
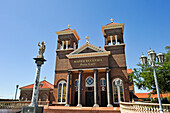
(41, 49)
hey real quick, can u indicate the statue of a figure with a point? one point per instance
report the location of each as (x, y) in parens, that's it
(41, 49)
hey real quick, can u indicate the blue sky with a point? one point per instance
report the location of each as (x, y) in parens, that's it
(23, 23)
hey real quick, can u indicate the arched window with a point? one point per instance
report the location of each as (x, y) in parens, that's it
(89, 82)
(76, 84)
(118, 93)
(102, 82)
(62, 92)
(44, 97)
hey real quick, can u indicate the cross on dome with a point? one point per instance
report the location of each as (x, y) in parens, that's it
(112, 20)
(45, 78)
(68, 26)
(87, 39)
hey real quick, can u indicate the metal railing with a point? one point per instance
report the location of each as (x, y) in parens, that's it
(139, 107)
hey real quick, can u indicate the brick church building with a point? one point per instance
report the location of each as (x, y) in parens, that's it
(89, 75)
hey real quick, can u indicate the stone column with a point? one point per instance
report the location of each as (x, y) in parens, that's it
(115, 39)
(95, 89)
(66, 44)
(111, 40)
(62, 47)
(108, 88)
(68, 89)
(39, 62)
(79, 90)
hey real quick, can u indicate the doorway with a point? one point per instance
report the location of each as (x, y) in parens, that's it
(103, 99)
(76, 98)
(89, 99)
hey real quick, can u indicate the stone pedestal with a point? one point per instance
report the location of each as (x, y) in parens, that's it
(28, 109)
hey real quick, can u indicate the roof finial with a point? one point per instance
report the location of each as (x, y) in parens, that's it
(44, 77)
(68, 26)
(112, 20)
(87, 39)
(129, 67)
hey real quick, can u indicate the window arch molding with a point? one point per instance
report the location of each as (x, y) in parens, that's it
(76, 81)
(102, 82)
(61, 97)
(60, 81)
(118, 90)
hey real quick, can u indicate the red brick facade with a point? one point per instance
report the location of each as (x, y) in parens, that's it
(70, 58)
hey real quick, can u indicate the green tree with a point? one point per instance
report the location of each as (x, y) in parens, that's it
(143, 77)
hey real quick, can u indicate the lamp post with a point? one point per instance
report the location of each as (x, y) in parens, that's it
(152, 59)
(16, 91)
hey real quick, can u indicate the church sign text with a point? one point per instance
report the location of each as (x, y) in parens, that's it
(89, 62)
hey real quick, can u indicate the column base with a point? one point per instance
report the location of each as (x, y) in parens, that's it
(79, 105)
(28, 109)
(109, 105)
(95, 105)
(33, 105)
(67, 105)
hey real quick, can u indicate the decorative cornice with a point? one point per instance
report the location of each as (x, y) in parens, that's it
(64, 49)
(88, 69)
(107, 53)
(113, 26)
(122, 44)
(69, 32)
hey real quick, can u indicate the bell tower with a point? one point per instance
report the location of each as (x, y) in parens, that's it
(67, 42)
(67, 39)
(113, 35)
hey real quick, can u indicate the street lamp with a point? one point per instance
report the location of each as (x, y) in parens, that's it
(16, 91)
(152, 59)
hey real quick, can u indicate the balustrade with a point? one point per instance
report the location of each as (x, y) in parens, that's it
(139, 107)
(19, 104)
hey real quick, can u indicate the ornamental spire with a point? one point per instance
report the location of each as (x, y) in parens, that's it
(68, 26)
(45, 78)
(112, 20)
(87, 39)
